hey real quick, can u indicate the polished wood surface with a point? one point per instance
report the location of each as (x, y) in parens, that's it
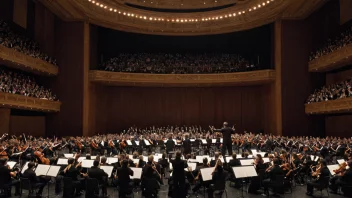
(343, 105)
(182, 80)
(337, 59)
(28, 103)
(12, 58)
(246, 16)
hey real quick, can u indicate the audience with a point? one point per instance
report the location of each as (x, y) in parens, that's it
(22, 44)
(19, 83)
(332, 92)
(342, 40)
(164, 63)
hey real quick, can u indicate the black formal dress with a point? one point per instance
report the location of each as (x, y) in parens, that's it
(178, 177)
(124, 181)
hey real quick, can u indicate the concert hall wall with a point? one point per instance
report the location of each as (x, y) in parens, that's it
(142, 107)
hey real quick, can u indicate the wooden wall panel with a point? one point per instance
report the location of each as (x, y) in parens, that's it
(338, 125)
(33, 125)
(5, 120)
(142, 107)
(337, 77)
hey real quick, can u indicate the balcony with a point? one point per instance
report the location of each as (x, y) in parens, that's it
(343, 105)
(182, 80)
(332, 61)
(12, 58)
(16, 101)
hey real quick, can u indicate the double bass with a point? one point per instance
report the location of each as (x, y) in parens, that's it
(41, 157)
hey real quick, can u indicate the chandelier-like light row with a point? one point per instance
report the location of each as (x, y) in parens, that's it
(176, 19)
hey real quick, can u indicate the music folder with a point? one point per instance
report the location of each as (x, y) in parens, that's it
(204, 141)
(68, 155)
(42, 169)
(11, 164)
(87, 163)
(107, 169)
(137, 143)
(53, 171)
(112, 160)
(332, 168)
(137, 173)
(206, 173)
(129, 143)
(244, 171)
(192, 166)
(62, 161)
(247, 162)
(340, 161)
(146, 142)
(25, 167)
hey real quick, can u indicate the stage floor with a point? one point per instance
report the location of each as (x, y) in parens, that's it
(298, 192)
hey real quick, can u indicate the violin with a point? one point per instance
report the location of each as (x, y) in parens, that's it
(94, 145)
(79, 144)
(3, 153)
(123, 144)
(341, 169)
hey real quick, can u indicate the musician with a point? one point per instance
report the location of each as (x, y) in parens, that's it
(103, 161)
(155, 167)
(272, 172)
(227, 141)
(219, 177)
(7, 177)
(38, 182)
(97, 173)
(170, 145)
(342, 179)
(199, 178)
(187, 145)
(324, 172)
(216, 157)
(150, 184)
(72, 170)
(178, 176)
(123, 178)
(141, 162)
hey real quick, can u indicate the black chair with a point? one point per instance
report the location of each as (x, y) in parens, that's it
(278, 184)
(323, 185)
(69, 189)
(347, 190)
(26, 185)
(128, 192)
(219, 188)
(5, 190)
(92, 188)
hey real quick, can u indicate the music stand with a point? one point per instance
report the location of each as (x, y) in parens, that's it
(244, 172)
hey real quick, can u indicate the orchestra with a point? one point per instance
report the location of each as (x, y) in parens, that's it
(159, 151)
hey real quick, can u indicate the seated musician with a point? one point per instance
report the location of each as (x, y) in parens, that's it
(7, 177)
(72, 171)
(255, 181)
(150, 184)
(155, 166)
(216, 157)
(219, 177)
(341, 179)
(103, 161)
(141, 162)
(272, 172)
(130, 161)
(38, 182)
(198, 178)
(123, 180)
(99, 174)
(170, 145)
(324, 172)
(234, 161)
(187, 145)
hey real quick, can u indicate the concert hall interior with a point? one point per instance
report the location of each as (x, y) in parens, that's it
(92, 91)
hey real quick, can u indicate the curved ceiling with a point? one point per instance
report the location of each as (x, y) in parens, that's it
(117, 14)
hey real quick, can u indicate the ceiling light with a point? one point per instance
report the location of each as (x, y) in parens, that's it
(239, 13)
(204, 3)
(115, 10)
(230, 15)
(263, 4)
(97, 4)
(101, 5)
(93, 1)
(128, 14)
(124, 13)
(144, 17)
(110, 9)
(132, 14)
(255, 8)
(250, 9)
(196, 20)
(119, 12)
(105, 7)
(220, 17)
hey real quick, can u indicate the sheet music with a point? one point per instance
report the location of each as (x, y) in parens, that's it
(228, 159)
(87, 163)
(107, 169)
(135, 161)
(332, 168)
(137, 173)
(53, 171)
(170, 166)
(68, 155)
(221, 140)
(266, 159)
(254, 151)
(145, 158)
(244, 171)
(93, 157)
(156, 158)
(247, 162)
(340, 161)
(221, 159)
(147, 143)
(192, 140)
(137, 143)
(111, 160)
(213, 141)
(159, 154)
(129, 143)
(206, 173)
(260, 153)
(11, 164)
(192, 161)
(192, 166)
(25, 167)
(80, 159)
(204, 141)
(42, 169)
(62, 161)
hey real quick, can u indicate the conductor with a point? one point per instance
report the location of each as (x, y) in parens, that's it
(227, 141)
